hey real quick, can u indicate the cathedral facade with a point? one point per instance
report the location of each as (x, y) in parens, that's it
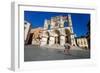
(59, 31)
(56, 31)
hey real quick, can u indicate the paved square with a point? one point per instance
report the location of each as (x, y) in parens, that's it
(36, 53)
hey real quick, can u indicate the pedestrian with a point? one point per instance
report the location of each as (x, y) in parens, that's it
(67, 49)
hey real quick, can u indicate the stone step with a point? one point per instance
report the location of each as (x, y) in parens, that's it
(61, 47)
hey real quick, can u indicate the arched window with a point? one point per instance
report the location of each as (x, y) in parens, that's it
(48, 26)
(66, 24)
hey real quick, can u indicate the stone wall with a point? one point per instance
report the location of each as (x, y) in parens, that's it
(82, 42)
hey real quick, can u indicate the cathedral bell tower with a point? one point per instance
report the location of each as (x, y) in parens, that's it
(72, 36)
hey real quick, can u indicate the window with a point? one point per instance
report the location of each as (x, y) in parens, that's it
(48, 26)
(66, 24)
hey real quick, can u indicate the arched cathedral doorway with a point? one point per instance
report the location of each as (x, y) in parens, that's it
(67, 37)
(47, 34)
(57, 36)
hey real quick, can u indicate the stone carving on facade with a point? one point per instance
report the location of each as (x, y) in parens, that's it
(58, 34)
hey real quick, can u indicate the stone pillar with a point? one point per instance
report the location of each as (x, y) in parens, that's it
(46, 24)
(73, 42)
(44, 38)
(56, 40)
(27, 27)
(43, 41)
(51, 40)
(61, 22)
(52, 23)
(62, 40)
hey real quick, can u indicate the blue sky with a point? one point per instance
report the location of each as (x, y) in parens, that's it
(79, 21)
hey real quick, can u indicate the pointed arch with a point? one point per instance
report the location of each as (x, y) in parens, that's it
(68, 36)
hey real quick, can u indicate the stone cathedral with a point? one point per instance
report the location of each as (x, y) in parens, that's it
(59, 31)
(56, 31)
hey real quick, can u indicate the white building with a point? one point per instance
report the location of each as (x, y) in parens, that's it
(27, 28)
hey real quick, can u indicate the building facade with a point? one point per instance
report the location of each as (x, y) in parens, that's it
(27, 29)
(56, 31)
(82, 42)
(59, 31)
